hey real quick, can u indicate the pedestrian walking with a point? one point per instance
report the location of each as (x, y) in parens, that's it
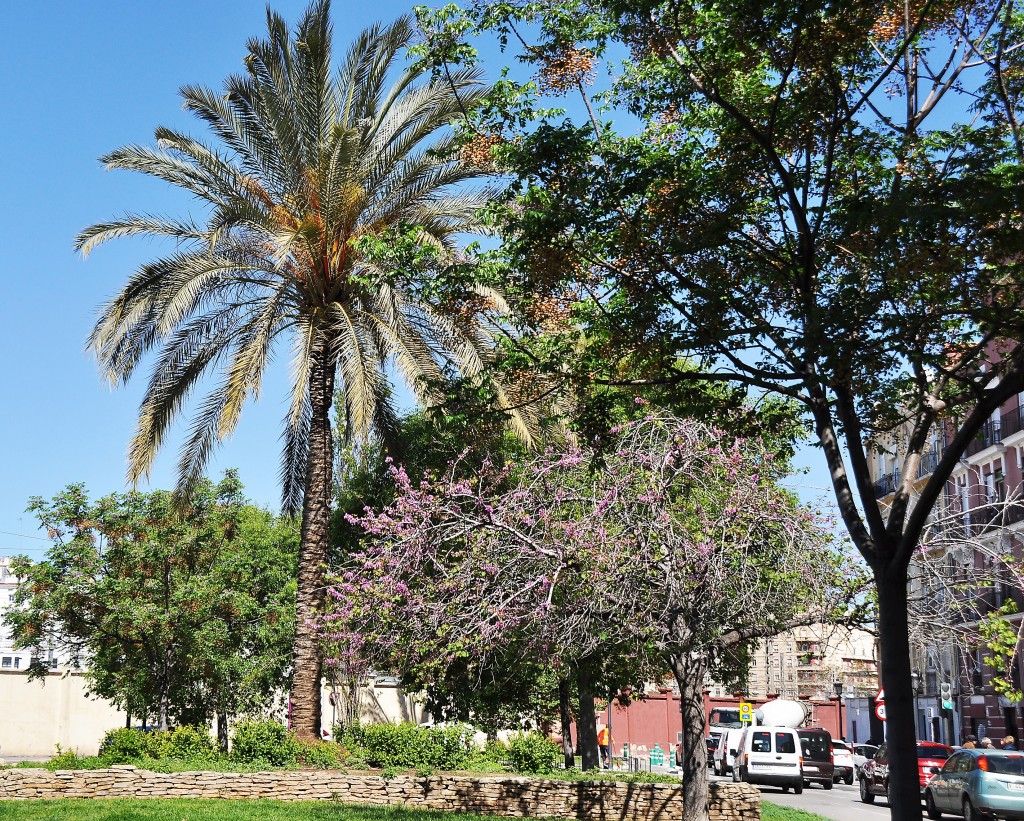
(604, 744)
(1009, 743)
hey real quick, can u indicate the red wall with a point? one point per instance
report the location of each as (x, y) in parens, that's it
(656, 719)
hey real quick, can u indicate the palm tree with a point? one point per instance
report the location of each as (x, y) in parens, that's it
(303, 168)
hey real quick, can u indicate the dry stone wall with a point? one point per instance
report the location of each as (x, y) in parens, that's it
(491, 795)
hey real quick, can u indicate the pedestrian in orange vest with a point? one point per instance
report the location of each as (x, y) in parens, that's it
(604, 745)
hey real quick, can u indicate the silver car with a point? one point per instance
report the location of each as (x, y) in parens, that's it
(978, 784)
(862, 753)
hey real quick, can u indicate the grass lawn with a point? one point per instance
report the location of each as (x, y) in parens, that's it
(773, 812)
(198, 809)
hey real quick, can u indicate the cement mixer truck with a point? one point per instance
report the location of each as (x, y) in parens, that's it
(780, 712)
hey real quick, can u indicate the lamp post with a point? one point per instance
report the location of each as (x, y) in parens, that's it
(915, 683)
(837, 685)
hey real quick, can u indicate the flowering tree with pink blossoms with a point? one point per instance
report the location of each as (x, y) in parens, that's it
(676, 545)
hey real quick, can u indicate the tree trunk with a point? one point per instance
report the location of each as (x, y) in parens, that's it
(222, 731)
(586, 720)
(565, 716)
(689, 675)
(905, 795)
(316, 514)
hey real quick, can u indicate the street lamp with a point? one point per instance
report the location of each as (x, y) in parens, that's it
(915, 685)
(837, 685)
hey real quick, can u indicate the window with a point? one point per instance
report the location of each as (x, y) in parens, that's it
(761, 743)
(6, 663)
(784, 743)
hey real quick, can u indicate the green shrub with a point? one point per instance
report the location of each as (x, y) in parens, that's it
(408, 745)
(323, 754)
(264, 741)
(532, 753)
(189, 744)
(64, 759)
(495, 750)
(127, 744)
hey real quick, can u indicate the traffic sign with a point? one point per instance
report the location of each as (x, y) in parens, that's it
(746, 712)
(881, 694)
(880, 710)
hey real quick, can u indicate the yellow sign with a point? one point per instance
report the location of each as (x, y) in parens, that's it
(746, 712)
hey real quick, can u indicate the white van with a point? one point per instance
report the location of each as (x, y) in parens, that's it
(770, 755)
(725, 752)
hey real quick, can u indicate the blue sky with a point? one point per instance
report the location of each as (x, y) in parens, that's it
(79, 78)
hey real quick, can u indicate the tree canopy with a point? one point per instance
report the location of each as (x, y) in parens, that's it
(817, 200)
(176, 614)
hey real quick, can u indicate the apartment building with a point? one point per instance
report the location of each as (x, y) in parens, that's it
(12, 660)
(805, 663)
(966, 569)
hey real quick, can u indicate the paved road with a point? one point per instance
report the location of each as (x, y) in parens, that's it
(841, 803)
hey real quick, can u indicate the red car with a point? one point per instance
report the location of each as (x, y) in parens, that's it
(874, 775)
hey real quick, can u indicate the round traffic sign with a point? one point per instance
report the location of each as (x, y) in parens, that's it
(880, 710)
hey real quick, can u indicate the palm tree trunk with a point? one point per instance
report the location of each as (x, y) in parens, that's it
(316, 515)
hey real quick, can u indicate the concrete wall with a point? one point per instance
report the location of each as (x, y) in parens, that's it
(490, 795)
(37, 715)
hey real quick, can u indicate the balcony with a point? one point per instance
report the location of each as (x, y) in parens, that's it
(929, 461)
(887, 484)
(1012, 422)
(989, 435)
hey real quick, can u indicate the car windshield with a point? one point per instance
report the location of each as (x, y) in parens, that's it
(1005, 764)
(933, 753)
(840, 747)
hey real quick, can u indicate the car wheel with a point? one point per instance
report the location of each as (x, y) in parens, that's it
(866, 795)
(848, 779)
(785, 787)
(736, 775)
(717, 769)
(828, 784)
(929, 806)
(971, 814)
(799, 788)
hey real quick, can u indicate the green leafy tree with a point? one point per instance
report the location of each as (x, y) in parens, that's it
(819, 200)
(308, 175)
(179, 613)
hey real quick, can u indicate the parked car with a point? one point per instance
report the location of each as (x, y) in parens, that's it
(874, 775)
(816, 745)
(725, 752)
(770, 755)
(978, 784)
(842, 760)
(862, 753)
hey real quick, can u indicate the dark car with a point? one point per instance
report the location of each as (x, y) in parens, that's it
(874, 775)
(817, 751)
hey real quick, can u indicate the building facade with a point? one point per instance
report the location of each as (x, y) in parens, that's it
(11, 659)
(967, 570)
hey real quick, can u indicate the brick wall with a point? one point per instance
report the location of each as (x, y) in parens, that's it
(494, 795)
